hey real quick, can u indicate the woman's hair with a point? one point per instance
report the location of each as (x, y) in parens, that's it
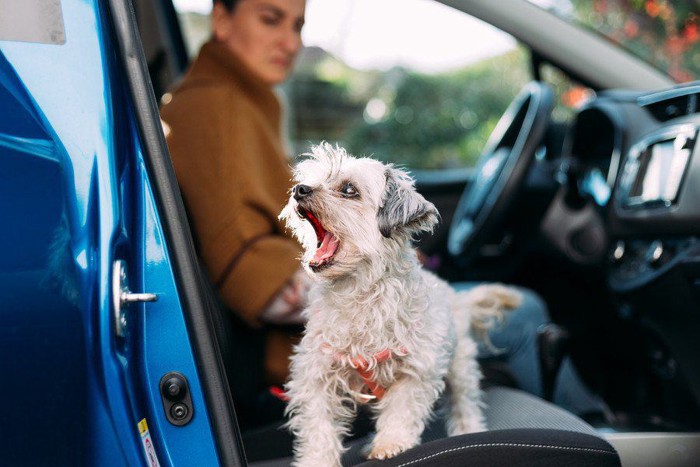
(228, 4)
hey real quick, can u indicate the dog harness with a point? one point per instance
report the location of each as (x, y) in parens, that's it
(365, 370)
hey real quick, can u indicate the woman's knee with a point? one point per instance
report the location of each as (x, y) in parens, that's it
(532, 310)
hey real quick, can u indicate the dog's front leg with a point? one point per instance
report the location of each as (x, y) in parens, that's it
(403, 413)
(318, 416)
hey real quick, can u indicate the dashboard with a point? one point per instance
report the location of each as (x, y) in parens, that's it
(638, 162)
(634, 224)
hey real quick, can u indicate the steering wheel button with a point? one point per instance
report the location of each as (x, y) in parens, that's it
(619, 251)
(656, 254)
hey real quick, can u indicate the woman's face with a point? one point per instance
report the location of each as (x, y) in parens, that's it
(264, 34)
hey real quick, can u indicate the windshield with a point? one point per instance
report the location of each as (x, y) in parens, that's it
(663, 33)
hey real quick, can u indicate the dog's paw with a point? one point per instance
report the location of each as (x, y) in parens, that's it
(386, 449)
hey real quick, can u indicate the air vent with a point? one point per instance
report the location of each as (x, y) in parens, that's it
(673, 103)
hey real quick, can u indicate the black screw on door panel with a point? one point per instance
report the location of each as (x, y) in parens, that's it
(179, 411)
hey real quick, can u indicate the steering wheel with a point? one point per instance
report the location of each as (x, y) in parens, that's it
(501, 170)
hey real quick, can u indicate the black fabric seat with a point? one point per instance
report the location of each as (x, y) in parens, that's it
(522, 447)
(511, 448)
(523, 430)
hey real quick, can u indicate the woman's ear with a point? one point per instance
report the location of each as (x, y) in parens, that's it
(220, 22)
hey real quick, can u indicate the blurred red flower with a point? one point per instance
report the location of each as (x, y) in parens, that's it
(631, 28)
(653, 8)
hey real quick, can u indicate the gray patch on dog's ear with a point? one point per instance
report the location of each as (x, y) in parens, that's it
(403, 208)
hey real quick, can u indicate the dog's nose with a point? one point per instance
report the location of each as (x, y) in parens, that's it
(301, 191)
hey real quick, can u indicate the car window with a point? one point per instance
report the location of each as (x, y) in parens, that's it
(408, 81)
(664, 33)
(194, 19)
(424, 89)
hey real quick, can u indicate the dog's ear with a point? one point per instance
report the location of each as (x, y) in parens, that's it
(403, 208)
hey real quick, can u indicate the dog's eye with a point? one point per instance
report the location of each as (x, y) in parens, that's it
(349, 190)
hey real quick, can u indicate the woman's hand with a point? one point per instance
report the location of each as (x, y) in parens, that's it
(289, 302)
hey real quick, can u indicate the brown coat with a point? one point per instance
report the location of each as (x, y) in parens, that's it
(223, 133)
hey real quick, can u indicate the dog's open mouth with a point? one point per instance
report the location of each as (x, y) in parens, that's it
(327, 243)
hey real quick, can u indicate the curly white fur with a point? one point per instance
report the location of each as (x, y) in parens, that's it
(371, 296)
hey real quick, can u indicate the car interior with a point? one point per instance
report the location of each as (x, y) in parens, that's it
(593, 207)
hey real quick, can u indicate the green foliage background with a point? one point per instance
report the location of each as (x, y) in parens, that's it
(443, 121)
(430, 121)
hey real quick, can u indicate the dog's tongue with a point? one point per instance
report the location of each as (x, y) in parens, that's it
(327, 248)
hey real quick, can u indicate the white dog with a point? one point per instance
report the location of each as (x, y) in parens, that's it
(380, 328)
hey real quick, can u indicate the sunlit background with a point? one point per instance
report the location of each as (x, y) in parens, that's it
(423, 84)
(369, 34)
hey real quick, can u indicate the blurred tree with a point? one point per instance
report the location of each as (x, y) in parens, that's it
(662, 32)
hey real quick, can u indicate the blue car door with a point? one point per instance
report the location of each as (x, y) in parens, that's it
(107, 355)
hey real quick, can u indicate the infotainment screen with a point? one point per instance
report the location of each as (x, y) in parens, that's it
(660, 173)
(653, 171)
(664, 172)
